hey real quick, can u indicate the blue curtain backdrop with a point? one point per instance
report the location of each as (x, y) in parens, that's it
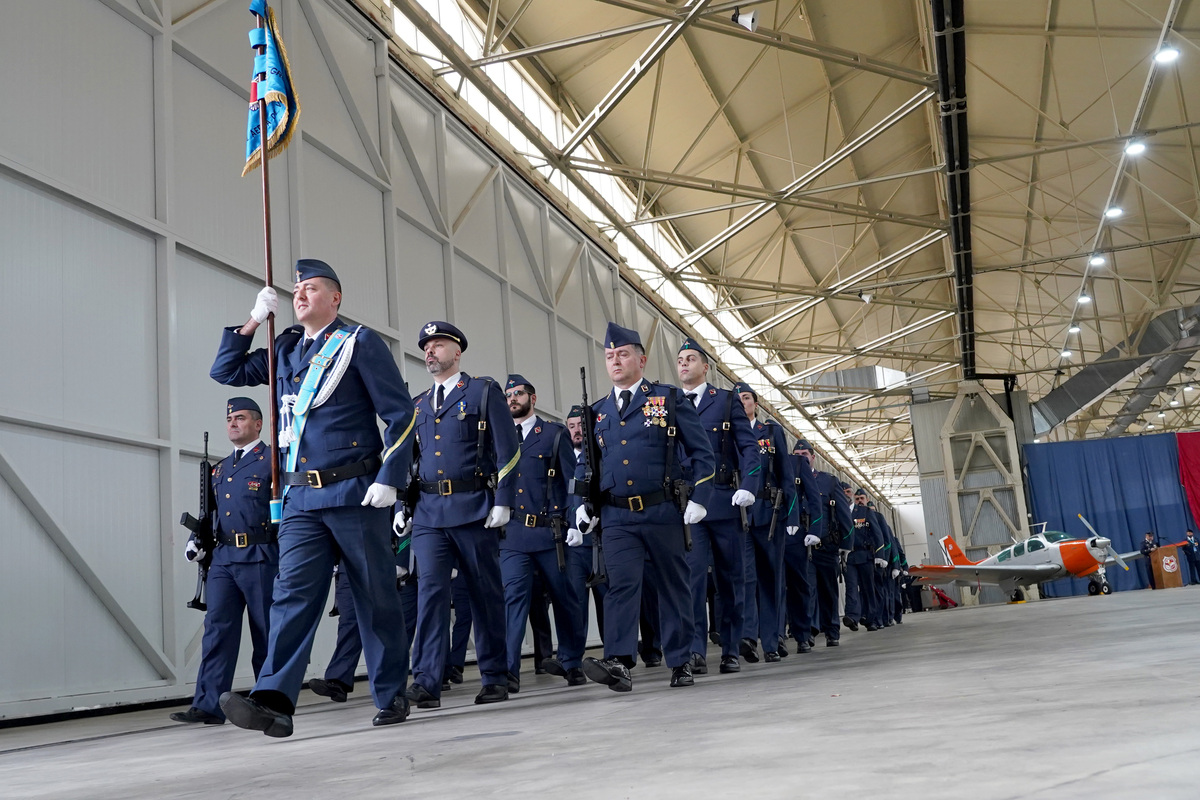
(1124, 487)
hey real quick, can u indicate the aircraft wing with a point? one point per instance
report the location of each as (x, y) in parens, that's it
(1133, 555)
(996, 573)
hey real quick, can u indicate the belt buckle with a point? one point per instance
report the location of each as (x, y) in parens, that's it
(640, 505)
(531, 520)
(445, 488)
(321, 361)
(241, 539)
(314, 478)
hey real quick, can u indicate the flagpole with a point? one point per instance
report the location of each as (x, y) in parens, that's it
(263, 135)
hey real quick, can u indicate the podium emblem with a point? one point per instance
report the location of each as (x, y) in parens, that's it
(1170, 564)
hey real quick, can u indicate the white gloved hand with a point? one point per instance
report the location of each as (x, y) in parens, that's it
(810, 540)
(574, 537)
(380, 496)
(401, 573)
(879, 562)
(193, 551)
(895, 573)
(401, 524)
(583, 520)
(792, 529)
(266, 304)
(743, 499)
(453, 573)
(694, 513)
(498, 517)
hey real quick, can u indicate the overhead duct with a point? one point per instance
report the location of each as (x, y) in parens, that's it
(1167, 332)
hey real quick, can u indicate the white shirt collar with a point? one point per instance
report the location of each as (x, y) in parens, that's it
(528, 424)
(616, 393)
(449, 383)
(247, 448)
(304, 336)
(699, 392)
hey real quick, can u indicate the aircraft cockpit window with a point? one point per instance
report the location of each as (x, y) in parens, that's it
(1056, 536)
(1003, 555)
(1034, 544)
(1019, 550)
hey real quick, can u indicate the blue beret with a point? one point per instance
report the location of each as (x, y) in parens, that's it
(690, 344)
(241, 404)
(742, 386)
(442, 330)
(616, 336)
(859, 491)
(314, 268)
(516, 380)
(576, 411)
(802, 444)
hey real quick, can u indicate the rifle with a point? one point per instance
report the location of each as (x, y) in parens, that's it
(776, 495)
(408, 502)
(202, 529)
(737, 484)
(334, 611)
(591, 484)
(680, 489)
(557, 528)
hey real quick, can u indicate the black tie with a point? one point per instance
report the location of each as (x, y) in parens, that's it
(238, 455)
(441, 398)
(520, 433)
(626, 397)
(691, 396)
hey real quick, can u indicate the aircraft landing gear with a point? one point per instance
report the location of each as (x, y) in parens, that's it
(1018, 596)
(1097, 587)
(1105, 589)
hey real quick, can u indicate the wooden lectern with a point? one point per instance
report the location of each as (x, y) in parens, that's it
(1165, 563)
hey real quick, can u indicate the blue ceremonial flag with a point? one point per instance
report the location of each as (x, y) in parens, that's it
(283, 110)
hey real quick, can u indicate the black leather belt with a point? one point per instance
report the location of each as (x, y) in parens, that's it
(246, 539)
(449, 487)
(639, 502)
(320, 478)
(534, 520)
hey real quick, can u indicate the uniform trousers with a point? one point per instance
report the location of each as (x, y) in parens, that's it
(801, 591)
(764, 583)
(720, 543)
(656, 553)
(230, 590)
(517, 569)
(343, 664)
(826, 569)
(862, 603)
(579, 567)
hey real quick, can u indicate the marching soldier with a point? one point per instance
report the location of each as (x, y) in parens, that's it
(862, 598)
(531, 546)
(334, 380)
(800, 589)
(649, 438)
(579, 551)
(467, 453)
(775, 511)
(831, 539)
(719, 540)
(244, 562)
(886, 588)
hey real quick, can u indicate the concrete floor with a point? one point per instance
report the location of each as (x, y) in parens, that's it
(1078, 697)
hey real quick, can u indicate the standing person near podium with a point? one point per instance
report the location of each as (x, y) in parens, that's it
(1149, 545)
(1190, 548)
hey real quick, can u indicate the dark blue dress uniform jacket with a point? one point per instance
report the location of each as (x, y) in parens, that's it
(243, 494)
(633, 449)
(449, 450)
(771, 443)
(829, 488)
(342, 431)
(537, 458)
(869, 542)
(741, 447)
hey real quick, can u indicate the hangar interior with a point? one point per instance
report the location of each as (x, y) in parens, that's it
(801, 192)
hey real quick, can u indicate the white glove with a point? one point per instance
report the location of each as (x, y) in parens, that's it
(574, 537)
(498, 517)
(895, 573)
(694, 513)
(453, 573)
(583, 520)
(401, 524)
(380, 496)
(193, 551)
(792, 529)
(810, 540)
(879, 562)
(743, 499)
(401, 573)
(265, 304)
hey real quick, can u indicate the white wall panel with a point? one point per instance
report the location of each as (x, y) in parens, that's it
(478, 313)
(531, 351)
(422, 281)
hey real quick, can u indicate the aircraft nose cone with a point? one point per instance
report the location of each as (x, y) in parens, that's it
(1099, 543)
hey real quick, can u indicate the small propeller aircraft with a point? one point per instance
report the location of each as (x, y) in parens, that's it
(1044, 556)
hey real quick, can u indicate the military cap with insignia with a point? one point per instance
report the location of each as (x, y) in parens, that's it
(235, 404)
(307, 268)
(615, 336)
(516, 380)
(441, 330)
(690, 344)
(741, 386)
(860, 491)
(801, 444)
(575, 412)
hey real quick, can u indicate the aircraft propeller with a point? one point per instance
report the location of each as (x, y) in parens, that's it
(1108, 548)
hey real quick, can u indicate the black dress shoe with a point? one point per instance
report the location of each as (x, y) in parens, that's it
(714, 637)
(899, 622)
(254, 716)
(194, 714)
(682, 676)
(492, 693)
(889, 623)
(699, 664)
(748, 649)
(804, 647)
(552, 666)
(331, 689)
(782, 649)
(396, 712)
(610, 672)
(872, 628)
(539, 668)
(575, 677)
(514, 684)
(454, 674)
(771, 657)
(831, 642)
(652, 660)
(849, 623)
(730, 664)
(422, 697)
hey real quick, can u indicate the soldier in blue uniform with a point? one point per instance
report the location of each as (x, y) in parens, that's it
(764, 547)
(334, 381)
(862, 599)
(799, 579)
(467, 453)
(831, 538)
(649, 438)
(244, 562)
(547, 458)
(1191, 553)
(886, 590)
(719, 540)
(579, 550)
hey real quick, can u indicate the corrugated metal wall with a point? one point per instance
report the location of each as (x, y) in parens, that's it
(128, 239)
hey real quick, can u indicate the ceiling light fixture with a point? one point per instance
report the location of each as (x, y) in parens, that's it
(1066, 353)
(1135, 148)
(1166, 55)
(1096, 261)
(1149, 426)
(749, 20)
(1174, 402)
(1188, 388)
(1162, 414)
(864, 296)
(1112, 212)
(1074, 329)
(1084, 299)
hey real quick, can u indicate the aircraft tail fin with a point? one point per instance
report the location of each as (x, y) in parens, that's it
(954, 553)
